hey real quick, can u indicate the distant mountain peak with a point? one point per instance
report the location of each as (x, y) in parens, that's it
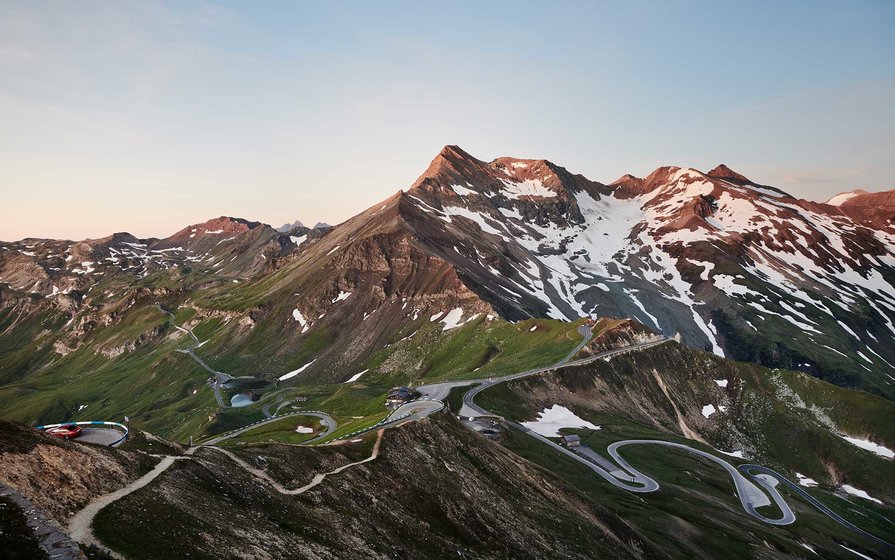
(451, 163)
(452, 151)
(842, 197)
(216, 226)
(289, 227)
(454, 172)
(724, 172)
(321, 225)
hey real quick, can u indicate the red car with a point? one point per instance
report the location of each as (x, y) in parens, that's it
(68, 431)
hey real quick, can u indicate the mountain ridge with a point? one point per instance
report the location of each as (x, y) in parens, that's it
(707, 255)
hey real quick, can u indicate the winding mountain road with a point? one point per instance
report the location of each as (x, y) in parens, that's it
(325, 419)
(764, 471)
(219, 376)
(621, 474)
(470, 409)
(80, 526)
(753, 494)
(316, 480)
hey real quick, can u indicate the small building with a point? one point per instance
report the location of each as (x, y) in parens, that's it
(398, 396)
(571, 440)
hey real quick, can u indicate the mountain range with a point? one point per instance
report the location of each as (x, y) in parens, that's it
(738, 268)
(699, 311)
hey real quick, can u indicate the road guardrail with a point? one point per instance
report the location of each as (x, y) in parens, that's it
(90, 423)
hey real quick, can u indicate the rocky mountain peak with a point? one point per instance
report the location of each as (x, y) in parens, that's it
(724, 172)
(289, 227)
(628, 186)
(224, 225)
(529, 170)
(451, 165)
(852, 198)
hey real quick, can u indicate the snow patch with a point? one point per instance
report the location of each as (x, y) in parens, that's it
(355, 377)
(737, 454)
(452, 319)
(721, 382)
(859, 493)
(341, 297)
(526, 189)
(462, 191)
(708, 410)
(296, 314)
(841, 198)
(551, 420)
(293, 373)
(853, 551)
(805, 481)
(870, 446)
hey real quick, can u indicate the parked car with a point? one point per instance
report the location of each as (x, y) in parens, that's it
(69, 431)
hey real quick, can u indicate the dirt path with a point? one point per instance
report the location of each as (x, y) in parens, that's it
(80, 527)
(318, 478)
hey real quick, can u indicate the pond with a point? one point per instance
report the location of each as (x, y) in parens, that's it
(241, 399)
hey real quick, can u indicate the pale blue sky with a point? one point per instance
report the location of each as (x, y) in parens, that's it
(146, 117)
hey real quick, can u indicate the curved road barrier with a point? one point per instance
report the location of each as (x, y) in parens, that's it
(91, 423)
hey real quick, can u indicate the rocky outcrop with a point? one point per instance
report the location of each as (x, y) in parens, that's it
(60, 477)
(54, 541)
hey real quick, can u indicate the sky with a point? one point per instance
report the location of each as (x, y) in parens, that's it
(146, 117)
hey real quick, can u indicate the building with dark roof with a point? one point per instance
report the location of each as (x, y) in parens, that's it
(398, 396)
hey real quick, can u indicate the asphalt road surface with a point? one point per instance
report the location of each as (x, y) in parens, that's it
(766, 472)
(99, 436)
(621, 474)
(470, 409)
(325, 419)
(751, 497)
(219, 376)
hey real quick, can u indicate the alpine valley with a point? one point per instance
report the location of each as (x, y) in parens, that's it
(715, 357)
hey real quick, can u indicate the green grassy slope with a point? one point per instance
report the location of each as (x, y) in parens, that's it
(788, 421)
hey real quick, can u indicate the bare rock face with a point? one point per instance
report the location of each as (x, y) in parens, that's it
(742, 269)
(59, 477)
(724, 172)
(218, 226)
(873, 210)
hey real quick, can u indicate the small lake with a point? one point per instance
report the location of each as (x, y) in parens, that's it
(242, 399)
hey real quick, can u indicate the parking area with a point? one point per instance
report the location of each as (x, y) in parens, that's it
(100, 436)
